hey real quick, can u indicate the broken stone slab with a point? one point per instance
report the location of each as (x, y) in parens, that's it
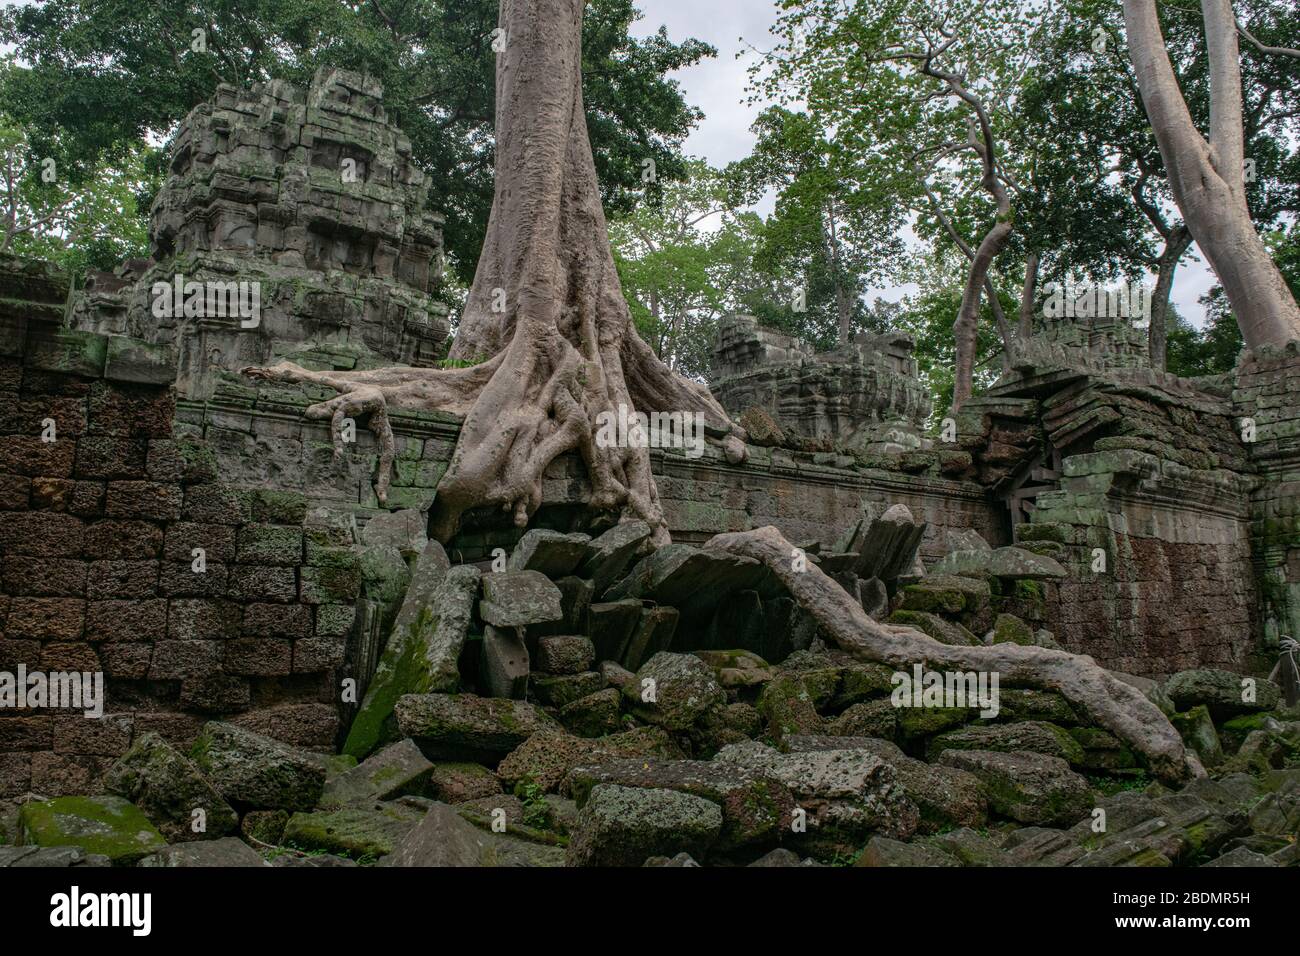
(503, 663)
(691, 579)
(965, 539)
(545, 759)
(756, 807)
(615, 675)
(1009, 629)
(946, 594)
(56, 857)
(847, 795)
(462, 726)
(940, 628)
(652, 634)
(105, 825)
(444, 838)
(423, 651)
(1240, 857)
(624, 826)
(1198, 732)
(1030, 788)
(227, 851)
(882, 851)
(551, 553)
(356, 832)
(557, 690)
(944, 796)
(456, 782)
(405, 530)
(970, 848)
(1034, 736)
(519, 598)
(737, 668)
(673, 691)
(1008, 562)
(565, 654)
(395, 770)
(680, 860)
(594, 715)
(170, 789)
(889, 546)
(609, 554)
(575, 598)
(610, 625)
(1224, 693)
(873, 595)
(256, 772)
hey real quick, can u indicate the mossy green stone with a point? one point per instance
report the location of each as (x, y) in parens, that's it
(105, 825)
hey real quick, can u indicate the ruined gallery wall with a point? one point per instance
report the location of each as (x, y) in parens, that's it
(97, 531)
(1176, 590)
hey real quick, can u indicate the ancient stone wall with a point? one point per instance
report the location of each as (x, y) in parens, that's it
(97, 539)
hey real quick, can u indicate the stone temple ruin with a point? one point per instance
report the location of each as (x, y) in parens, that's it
(332, 680)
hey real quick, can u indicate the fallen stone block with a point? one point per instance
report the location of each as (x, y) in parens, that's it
(551, 553)
(397, 769)
(624, 826)
(444, 838)
(503, 665)
(519, 598)
(356, 832)
(256, 772)
(609, 554)
(170, 789)
(226, 852)
(673, 691)
(1026, 787)
(105, 826)
(462, 726)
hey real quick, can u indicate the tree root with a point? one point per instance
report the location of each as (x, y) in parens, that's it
(1108, 701)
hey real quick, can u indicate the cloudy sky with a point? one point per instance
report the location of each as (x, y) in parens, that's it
(717, 86)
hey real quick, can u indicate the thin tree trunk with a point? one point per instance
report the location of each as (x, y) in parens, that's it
(1027, 293)
(1176, 244)
(1206, 177)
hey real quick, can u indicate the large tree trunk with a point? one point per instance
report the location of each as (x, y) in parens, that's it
(545, 319)
(1176, 244)
(1207, 178)
(1115, 705)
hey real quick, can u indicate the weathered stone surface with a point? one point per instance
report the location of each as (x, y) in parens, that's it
(503, 665)
(1197, 730)
(422, 654)
(565, 654)
(623, 826)
(610, 625)
(545, 759)
(882, 851)
(1225, 694)
(404, 530)
(25, 857)
(609, 554)
(756, 807)
(946, 594)
(459, 726)
(108, 826)
(358, 832)
(444, 838)
(396, 769)
(673, 691)
(256, 772)
(1008, 562)
(169, 789)
(1034, 736)
(652, 634)
(738, 668)
(595, 715)
(679, 574)
(1030, 788)
(519, 598)
(453, 782)
(228, 851)
(557, 690)
(941, 629)
(944, 796)
(575, 598)
(846, 794)
(888, 545)
(550, 552)
(1009, 629)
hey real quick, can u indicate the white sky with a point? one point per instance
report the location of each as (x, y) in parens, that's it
(717, 86)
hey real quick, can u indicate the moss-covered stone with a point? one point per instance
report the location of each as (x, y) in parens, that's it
(109, 826)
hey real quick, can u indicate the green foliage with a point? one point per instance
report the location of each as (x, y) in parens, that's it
(106, 77)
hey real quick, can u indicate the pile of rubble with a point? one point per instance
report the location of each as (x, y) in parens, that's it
(590, 701)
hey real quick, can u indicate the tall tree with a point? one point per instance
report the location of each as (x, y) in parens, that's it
(100, 74)
(546, 324)
(826, 224)
(1207, 173)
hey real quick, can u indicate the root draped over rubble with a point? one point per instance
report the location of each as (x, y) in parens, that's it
(1111, 703)
(546, 321)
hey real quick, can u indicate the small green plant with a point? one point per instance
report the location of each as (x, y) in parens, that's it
(537, 813)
